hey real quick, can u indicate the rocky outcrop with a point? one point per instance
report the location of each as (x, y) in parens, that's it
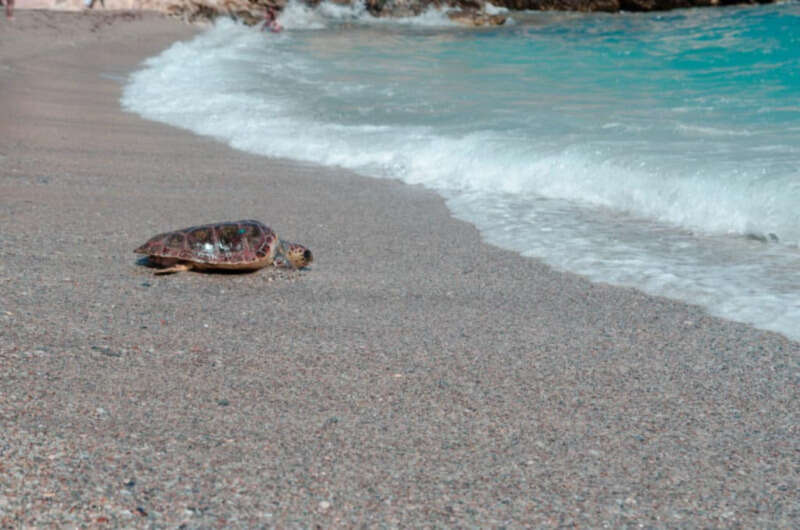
(251, 12)
(475, 18)
(617, 5)
(466, 12)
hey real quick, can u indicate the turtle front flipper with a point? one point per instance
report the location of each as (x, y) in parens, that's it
(179, 267)
(279, 260)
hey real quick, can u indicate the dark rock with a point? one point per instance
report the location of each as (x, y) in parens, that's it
(107, 351)
(476, 18)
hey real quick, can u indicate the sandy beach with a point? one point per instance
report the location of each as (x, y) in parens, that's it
(413, 376)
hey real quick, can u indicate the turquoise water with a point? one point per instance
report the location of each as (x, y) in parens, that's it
(660, 151)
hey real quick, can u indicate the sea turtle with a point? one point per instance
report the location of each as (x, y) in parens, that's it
(237, 245)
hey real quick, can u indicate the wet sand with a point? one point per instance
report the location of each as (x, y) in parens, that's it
(412, 376)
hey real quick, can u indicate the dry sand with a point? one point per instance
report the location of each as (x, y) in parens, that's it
(413, 376)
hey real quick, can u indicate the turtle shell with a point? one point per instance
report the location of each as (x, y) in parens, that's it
(237, 244)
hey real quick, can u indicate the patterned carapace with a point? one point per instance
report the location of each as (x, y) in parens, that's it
(246, 244)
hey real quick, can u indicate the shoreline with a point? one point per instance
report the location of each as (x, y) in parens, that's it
(413, 375)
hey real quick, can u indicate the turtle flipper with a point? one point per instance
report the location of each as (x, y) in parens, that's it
(280, 261)
(179, 267)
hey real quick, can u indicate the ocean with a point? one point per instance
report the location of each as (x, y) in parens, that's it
(659, 151)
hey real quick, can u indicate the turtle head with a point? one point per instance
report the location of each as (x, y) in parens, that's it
(292, 255)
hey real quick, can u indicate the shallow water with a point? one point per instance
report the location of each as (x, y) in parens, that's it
(660, 151)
